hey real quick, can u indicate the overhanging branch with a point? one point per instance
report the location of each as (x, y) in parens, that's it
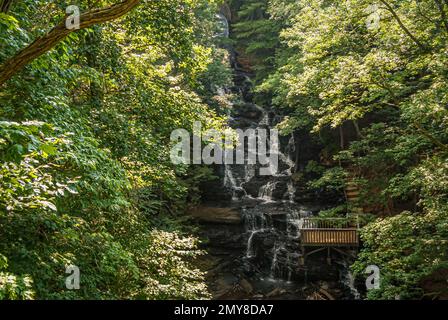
(58, 33)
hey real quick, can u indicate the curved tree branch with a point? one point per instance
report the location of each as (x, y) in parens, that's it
(58, 33)
(441, 7)
(430, 137)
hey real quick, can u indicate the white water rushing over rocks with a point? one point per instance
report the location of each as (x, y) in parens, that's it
(274, 196)
(272, 217)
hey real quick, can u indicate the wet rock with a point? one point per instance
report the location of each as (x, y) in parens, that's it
(224, 237)
(247, 202)
(275, 188)
(275, 292)
(249, 111)
(247, 287)
(262, 245)
(254, 185)
(239, 193)
(279, 190)
(215, 191)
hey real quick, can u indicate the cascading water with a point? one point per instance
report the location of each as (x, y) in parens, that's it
(231, 183)
(348, 280)
(255, 223)
(273, 196)
(278, 247)
(274, 199)
(266, 191)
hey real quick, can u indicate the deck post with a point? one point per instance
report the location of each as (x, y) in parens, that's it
(328, 256)
(302, 258)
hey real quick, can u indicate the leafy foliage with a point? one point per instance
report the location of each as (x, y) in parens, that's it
(85, 176)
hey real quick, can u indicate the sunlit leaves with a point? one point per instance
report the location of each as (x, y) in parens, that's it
(88, 179)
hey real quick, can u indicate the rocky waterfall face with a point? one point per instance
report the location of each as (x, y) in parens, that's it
(252, 221)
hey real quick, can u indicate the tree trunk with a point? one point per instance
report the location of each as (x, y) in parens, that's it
(358, 132)
(5, 5)
(341, 136)
(58, 33)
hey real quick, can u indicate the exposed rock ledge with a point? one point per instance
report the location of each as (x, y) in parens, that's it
(216, 215)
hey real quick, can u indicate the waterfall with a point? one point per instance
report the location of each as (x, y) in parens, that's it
(291, 191)
(223, 26)
(249, 250)
(348, 280)
(264, 122)
(231, 183)
(266, 191)
(229, 180)
(249, 172)
(274, 265)
(271, 216)
(293, 221)
(255, 223)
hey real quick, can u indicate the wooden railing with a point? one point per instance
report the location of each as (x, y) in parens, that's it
(329, 232)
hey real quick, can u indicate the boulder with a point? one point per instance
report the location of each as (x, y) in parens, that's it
(246, 286)
(253, 186)
(216, 215)
(215, 191)
(276, 292)
(279, 190)
(249, 111)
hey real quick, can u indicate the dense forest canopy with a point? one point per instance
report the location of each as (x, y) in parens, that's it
(86, 117)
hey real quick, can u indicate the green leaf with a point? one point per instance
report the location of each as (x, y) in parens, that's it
(49, 149)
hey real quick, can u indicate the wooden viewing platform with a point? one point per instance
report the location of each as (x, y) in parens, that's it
(332, 232)
(328, 234)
